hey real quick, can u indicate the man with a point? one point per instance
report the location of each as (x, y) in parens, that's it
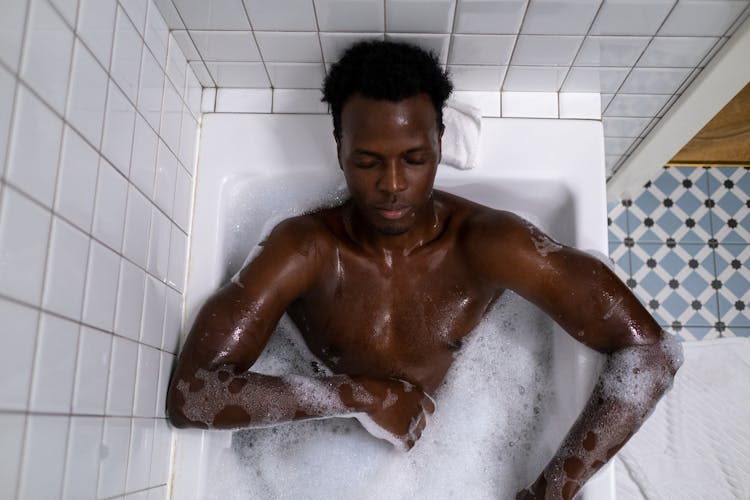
(352, 278)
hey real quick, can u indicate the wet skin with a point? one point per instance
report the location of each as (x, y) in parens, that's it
(385, 287)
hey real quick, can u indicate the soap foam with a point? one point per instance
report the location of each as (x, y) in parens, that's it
(483, 441)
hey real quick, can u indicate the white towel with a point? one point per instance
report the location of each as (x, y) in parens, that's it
(460, 144)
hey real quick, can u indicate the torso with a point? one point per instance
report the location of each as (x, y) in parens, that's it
(389, 315)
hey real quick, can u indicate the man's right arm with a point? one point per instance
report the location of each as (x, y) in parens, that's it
(213, 387)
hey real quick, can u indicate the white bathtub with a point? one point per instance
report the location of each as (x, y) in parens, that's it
(549, 170)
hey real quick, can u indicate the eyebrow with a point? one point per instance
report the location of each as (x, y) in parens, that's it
(360, 151)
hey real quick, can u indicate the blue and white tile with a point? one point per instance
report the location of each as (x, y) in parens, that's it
(691, 333)
(737, 332)
(617, 220)
(733, 278)
(729, 194)
(619, 254)
(675, 284)
(673, 206)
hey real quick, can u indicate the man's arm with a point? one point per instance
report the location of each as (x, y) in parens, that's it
(593, 305)
(213, 387)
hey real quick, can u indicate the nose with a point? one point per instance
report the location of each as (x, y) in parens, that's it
(392, 179)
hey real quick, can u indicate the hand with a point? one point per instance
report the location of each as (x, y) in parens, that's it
(398, 412)
(534, 492)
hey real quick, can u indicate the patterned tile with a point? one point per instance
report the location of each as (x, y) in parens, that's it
(689, 333)
(737, 332)
(619, 254)
(729, 199)
(674, 282)
(672, 207)
(617, 220)
(733, 276)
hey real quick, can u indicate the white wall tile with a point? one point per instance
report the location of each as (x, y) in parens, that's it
(161, 451)
(177, 259)
(546, 50)
(136, 10)
(139, 457)
(183, 199)
(208, 100)
(213, 14)
(101, 287)
(631, 17)
(152, 326)
(47, 53)
(188, 140)
(66, 270)
(158, 493)
(193, 93)
(147, 381)
(481, 49)
(202, 74)
(676, 51)
(24, 233)
(702, 18)
(185, 42)
(76, 183)
(34, 148)
(171, 117)
(126, 55)
(414, 16)
(624, 127)
(293, 101)
(169, 13)
(172, 321)
(585, 105)
(296, 75)
(11, 439)
(334, 44)
(166, 172)
(44, 451)
(606, 99)
(176, 66)
(611, 50)
(350, 15)
(68, 9)
(82, 461)
(12, 25)
(243, 100)
(534, 78)
(617, 145)
(165, 369)
(121, 387)
(129, 300)
(593, 79)
(487, 78)
(96, 21)
(137, 221)
(117, 141)
(247, 75)
(654, 80)
(88, 95)
(54, 365)
(143, 164)
(7, 95)
(92, 371)
(636, 105)
(437, 44)
(288, 15)
(109, 212)
(559, 17)
(481, 16)
(226, 45)
(529, 104)
(288, 47)
(113, 465)
(488, 102)
(157, 34)
(17, 340)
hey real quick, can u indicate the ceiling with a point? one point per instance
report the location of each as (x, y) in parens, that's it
(640, 55)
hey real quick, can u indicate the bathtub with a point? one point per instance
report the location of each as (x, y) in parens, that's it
(254, 167)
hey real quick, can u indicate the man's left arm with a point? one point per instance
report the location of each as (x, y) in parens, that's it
(596, 308)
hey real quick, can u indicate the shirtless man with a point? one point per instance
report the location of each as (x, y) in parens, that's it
(353, 279)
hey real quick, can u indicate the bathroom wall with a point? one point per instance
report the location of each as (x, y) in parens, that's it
(98, 123)
(682, 243)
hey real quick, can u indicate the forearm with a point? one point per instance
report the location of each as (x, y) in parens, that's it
(632, 382)
(221, 399)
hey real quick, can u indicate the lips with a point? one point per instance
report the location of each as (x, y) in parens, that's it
(392, 212)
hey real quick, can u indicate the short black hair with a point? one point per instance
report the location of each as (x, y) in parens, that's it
(385, 70)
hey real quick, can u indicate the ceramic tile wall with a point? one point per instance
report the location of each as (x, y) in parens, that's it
(98, 128)
(683, 246)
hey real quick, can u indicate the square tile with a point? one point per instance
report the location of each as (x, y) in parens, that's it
(729, 192)
(654, 80)
(591, 79)
(17, 340)
(436, 44)
(482, 49)
(636, 105)
(7, 98)
(24, 235)
(152, 325)
(535, 79)
(66, 270)
(413, 16)
(675, 284)
(702, 18)
(117, 141)
(296, 75)
(76, 183)
(193, 93)
(44, 450)
(82, 462)
(483, 78)
(171, 117)
(287, 15)
(733, 282)
(147, 380)
(559, 17)
(126, 56)
(202, 74)
(151, 89)
(692, 333)
(676, 52)
(186, 44)
(96, 27)
(334, 44)
(11, 441)
(624, 127)
(481, 16)
(114, 464)
(161, 452)
(617, 221)
(176, 66)
(157, 34)
(158, 247)
(226, 45)
(611, 163)
(350, 15)
(137, 223)
(621, 51)
(129, 300)
(47, 53)
(172, 321)
(12, 25)
(167, 10)
(672, 207)
(54, 365)
(617, 145)
(242, 75)
(582, 105)
(619, 254)
(631, 17)
(606, 99)
(139, 457)
(143, 168)
(188, 140)
(121, 387)
(166, 170)
(289, 47)
(488, 102)
(92, 371)
(213, 15)
(243, 100)
(34, 148)
(165, 369)
(177, 259)
(111, 200)
(136, 11)
(101, 287)
(534, 50)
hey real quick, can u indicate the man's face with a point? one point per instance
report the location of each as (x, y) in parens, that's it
(389, 153)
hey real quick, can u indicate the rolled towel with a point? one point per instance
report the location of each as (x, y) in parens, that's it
(460, 144)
